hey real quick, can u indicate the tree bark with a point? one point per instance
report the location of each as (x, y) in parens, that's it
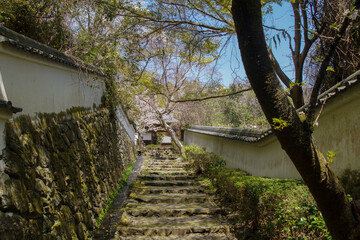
(296, 137)
(172, 135)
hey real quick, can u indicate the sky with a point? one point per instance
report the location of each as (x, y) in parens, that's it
(231, 63)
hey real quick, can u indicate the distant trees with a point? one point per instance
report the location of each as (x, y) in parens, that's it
(238, 111)
(42, 20)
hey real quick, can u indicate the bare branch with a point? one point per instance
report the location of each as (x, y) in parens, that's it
(297, 37)
(305, 21)
(322, 71)
(209, 97)
(194, 6)
(283, 77)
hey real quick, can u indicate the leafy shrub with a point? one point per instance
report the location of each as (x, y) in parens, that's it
(201, 161)
(152, 146)
(264, 208)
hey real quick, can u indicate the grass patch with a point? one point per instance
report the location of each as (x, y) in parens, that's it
(114, 194)
(261, 208)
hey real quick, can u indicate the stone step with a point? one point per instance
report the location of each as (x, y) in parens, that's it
(165, 165)
(168, 202)
(165, 189)
(164, 169)
(168, 161)
(171, 198)
(168, 226)
(158, 159)
(163, 157)
(178, 173)
(194, 236)
(167, 177)
(155, 169)
(170, 183)
(164, 172)
(165, 162)
(171, 210)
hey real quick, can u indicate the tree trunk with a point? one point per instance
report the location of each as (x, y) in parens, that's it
(296, 137)
(172, 135)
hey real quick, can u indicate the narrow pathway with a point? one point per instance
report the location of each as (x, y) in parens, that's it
(167, 202)
(112, 218)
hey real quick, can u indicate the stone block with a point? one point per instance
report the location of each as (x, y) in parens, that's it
(57, 168)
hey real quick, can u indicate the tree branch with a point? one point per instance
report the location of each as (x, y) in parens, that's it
(297, 37)
(209, 97)
(283, 77)
(323, 67)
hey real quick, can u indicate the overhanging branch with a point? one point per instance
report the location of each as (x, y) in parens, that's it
(209, 97)
(323, 68)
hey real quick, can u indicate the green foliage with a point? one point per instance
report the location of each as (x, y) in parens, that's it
(159, 137)
(279, 123)
(152, 146)
(201, 161)
(330, 155)
(42, 20)
(264, 208)
(115, 193)
(331, 69)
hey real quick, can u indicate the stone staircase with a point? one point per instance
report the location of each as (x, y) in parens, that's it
(167, 202)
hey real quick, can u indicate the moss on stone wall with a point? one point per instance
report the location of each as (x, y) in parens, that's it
(59, 171)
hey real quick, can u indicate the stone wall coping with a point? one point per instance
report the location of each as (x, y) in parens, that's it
(242, 134)
(332, 92)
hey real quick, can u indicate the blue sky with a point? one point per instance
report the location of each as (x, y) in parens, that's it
(282, 17)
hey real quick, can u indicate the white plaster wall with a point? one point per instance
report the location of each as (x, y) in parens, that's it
(267, 160)
(147, 136)
(126, 124)
(338, 129)
(37, 84)
(166, 140)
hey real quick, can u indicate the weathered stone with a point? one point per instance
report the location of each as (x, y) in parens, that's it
(56, 199)
(78, 217)
(81, 231)
(55, 168)
(47, 223)
(70, 133)
(2, 165)
(170, 206)
(13, 164)
(3, 178)
(12, 226)
(41, 187)
(35, 207)
(17, 193)
(43, 159)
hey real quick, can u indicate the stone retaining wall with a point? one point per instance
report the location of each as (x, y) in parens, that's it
(58, 171)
